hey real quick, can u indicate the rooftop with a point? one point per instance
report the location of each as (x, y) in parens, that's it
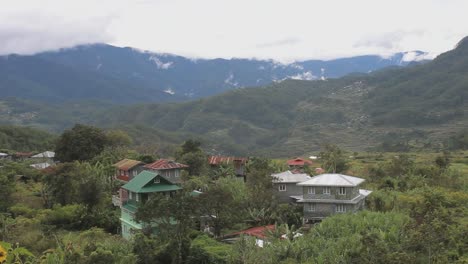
(258, 231)
(216, 160)
(299, 162)
(144, 183)
(46, 154)
(289, 177)
(333, 179)
(165, 164)
(127, 164)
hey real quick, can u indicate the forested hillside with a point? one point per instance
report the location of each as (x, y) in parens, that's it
(418, 107)
(17, 138)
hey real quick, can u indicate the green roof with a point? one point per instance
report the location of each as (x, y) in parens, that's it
(142, 183)
(159, 187)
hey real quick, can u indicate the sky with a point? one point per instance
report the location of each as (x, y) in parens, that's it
(263, 29)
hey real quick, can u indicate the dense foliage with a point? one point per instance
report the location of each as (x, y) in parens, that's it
(25, 139)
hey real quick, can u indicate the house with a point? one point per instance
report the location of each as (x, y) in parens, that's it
(298, 164)
(237, 163)
(285, 185)
(41, 166)
(21, 156)
(328, 194)
(45, 154)
(260, 233)
(127, 169)
(168, 169)
(135, 193)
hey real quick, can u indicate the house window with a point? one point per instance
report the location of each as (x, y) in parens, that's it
(134, 173)
(311, 207)
(311, 190)
(131, 196)
(342, 191)
(157, 180)
(282, 187)
(340, 208)
(137, 197)
(326, 190)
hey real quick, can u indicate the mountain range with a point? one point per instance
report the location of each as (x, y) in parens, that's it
(126, 75)
(398, 108)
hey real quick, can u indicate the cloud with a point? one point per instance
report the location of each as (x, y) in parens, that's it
(388, 41)
(161, 65)
(29, 33)
(281, 42)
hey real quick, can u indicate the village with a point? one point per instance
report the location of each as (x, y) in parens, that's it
(320, 196)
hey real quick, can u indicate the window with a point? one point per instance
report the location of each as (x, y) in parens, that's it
(131, 195)
(311, 207)
(326, 190)
(282, 187)
(342, 191)
(157, 180)
(137, 197)
(340, 208)
(134, 172)
(311, 190)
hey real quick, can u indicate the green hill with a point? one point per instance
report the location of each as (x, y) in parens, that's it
(420, 106)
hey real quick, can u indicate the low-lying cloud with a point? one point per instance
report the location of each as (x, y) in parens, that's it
(33, 32)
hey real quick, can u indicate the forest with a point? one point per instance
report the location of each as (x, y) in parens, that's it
(417, 212)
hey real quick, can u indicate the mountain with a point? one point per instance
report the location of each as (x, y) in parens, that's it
(418, 106)
(125, 75)
(32, 77)
(194, 78)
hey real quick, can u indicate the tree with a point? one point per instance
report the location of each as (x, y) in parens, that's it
(191, 154)
(259, 183)
(118, 138)
(80, 143)
(70, 183)
(174, 217)
(333, 159)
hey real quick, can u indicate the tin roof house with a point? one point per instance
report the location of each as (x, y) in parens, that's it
(135, 193)
(127, 169)
(328, 194)
(285, 185)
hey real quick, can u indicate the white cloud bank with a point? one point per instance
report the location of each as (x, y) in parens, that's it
(281, 30)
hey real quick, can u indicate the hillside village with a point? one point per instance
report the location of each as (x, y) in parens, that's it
(94, 192)
(320, 196)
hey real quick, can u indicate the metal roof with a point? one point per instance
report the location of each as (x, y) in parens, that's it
(289, 177)
(40, 166)
(216, 160)
(46, 154)
(143, 183)
(333, 179)
(127, 164)
(165, 164)
(299, 162)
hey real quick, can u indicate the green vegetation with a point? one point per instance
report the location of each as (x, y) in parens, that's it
(421, 107)
(417, 212)
(25, 139)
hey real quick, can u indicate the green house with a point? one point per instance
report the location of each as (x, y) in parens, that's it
(135, 193)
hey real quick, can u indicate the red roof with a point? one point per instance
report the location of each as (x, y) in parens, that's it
(299, 162)
(258, 232)
(216, 160)
(23, 154)
(165, 164)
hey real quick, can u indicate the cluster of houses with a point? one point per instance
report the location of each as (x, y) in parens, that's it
(40, 160)
(321, 196)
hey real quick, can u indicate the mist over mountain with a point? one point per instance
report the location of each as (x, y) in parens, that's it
(127, 75)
